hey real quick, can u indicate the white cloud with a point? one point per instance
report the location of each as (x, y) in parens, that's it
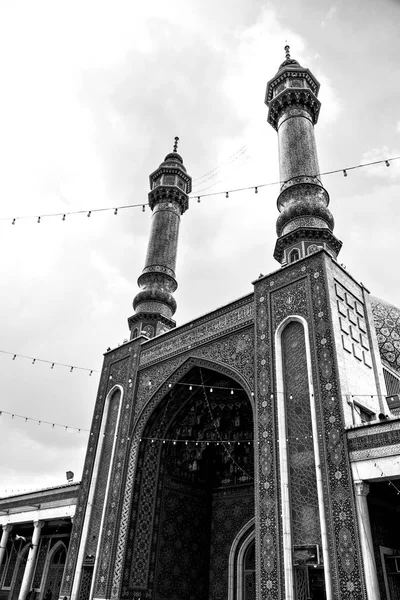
(329, 15)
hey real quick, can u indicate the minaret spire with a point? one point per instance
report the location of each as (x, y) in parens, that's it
(155, 304)
(305, 223)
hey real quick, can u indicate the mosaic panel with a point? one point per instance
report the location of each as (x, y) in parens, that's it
(387, 326)
(110, 527)
(115, 371)
(338, 495)
(268, 534)
(224, 321)
(276, 295)
(235, 350)
(146, 499)
(182, 566)
(230, 514)
(347, 574)
(381, 437)
(302, 478)
(101, 484)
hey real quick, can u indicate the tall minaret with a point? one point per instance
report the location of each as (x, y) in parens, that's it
(305, 223)
(155, 305)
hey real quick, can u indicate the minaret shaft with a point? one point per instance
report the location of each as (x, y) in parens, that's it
(297, 147)
(163, 243)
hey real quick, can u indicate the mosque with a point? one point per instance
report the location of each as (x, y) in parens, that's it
(253, 453)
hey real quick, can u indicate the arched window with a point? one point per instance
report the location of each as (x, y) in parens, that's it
(55, 571)
(294, 255)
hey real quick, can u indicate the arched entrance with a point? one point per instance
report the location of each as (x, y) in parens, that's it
(194, 489)
(55, 571)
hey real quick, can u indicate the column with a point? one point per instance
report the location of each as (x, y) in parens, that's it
(367, 549)
(31, 561)
(3, 542)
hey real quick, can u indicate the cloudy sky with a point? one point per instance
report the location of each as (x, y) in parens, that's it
(92, 95)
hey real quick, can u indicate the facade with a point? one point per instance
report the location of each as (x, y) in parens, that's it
(253, 452)
(36, 529)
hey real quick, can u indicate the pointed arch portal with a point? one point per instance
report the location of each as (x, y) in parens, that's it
(195, 473)
(56, 564)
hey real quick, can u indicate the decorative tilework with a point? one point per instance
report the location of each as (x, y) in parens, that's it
(305, 523)
(341, 522)
(115, 371)
(387, 325)
(230, 514)
(268, 536)
(374, 439)
(108, 540)
(234, 350)
(347, 573)
(203, 330)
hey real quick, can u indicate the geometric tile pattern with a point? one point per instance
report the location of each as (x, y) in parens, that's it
(302, 478)
(344, 546)
(115, 371)
(221, 321)
(387, 326)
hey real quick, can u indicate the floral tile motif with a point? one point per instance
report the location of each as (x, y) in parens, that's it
(387, 325)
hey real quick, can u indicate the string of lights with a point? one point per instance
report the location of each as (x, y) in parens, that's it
(191, 386)
(43, 422)
(20, 490)
(153, 439)
(39, 218)
(52, 363)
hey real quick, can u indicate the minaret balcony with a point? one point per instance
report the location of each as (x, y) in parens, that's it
(293, 97)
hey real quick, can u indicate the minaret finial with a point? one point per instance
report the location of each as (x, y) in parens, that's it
(287, 51)
(176, 144)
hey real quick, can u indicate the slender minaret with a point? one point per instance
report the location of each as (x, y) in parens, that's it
(155, 305)
(305, 223)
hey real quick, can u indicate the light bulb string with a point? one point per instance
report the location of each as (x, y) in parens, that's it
(198, 196)
(231, 389)
(44, 422)
(52, 363)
